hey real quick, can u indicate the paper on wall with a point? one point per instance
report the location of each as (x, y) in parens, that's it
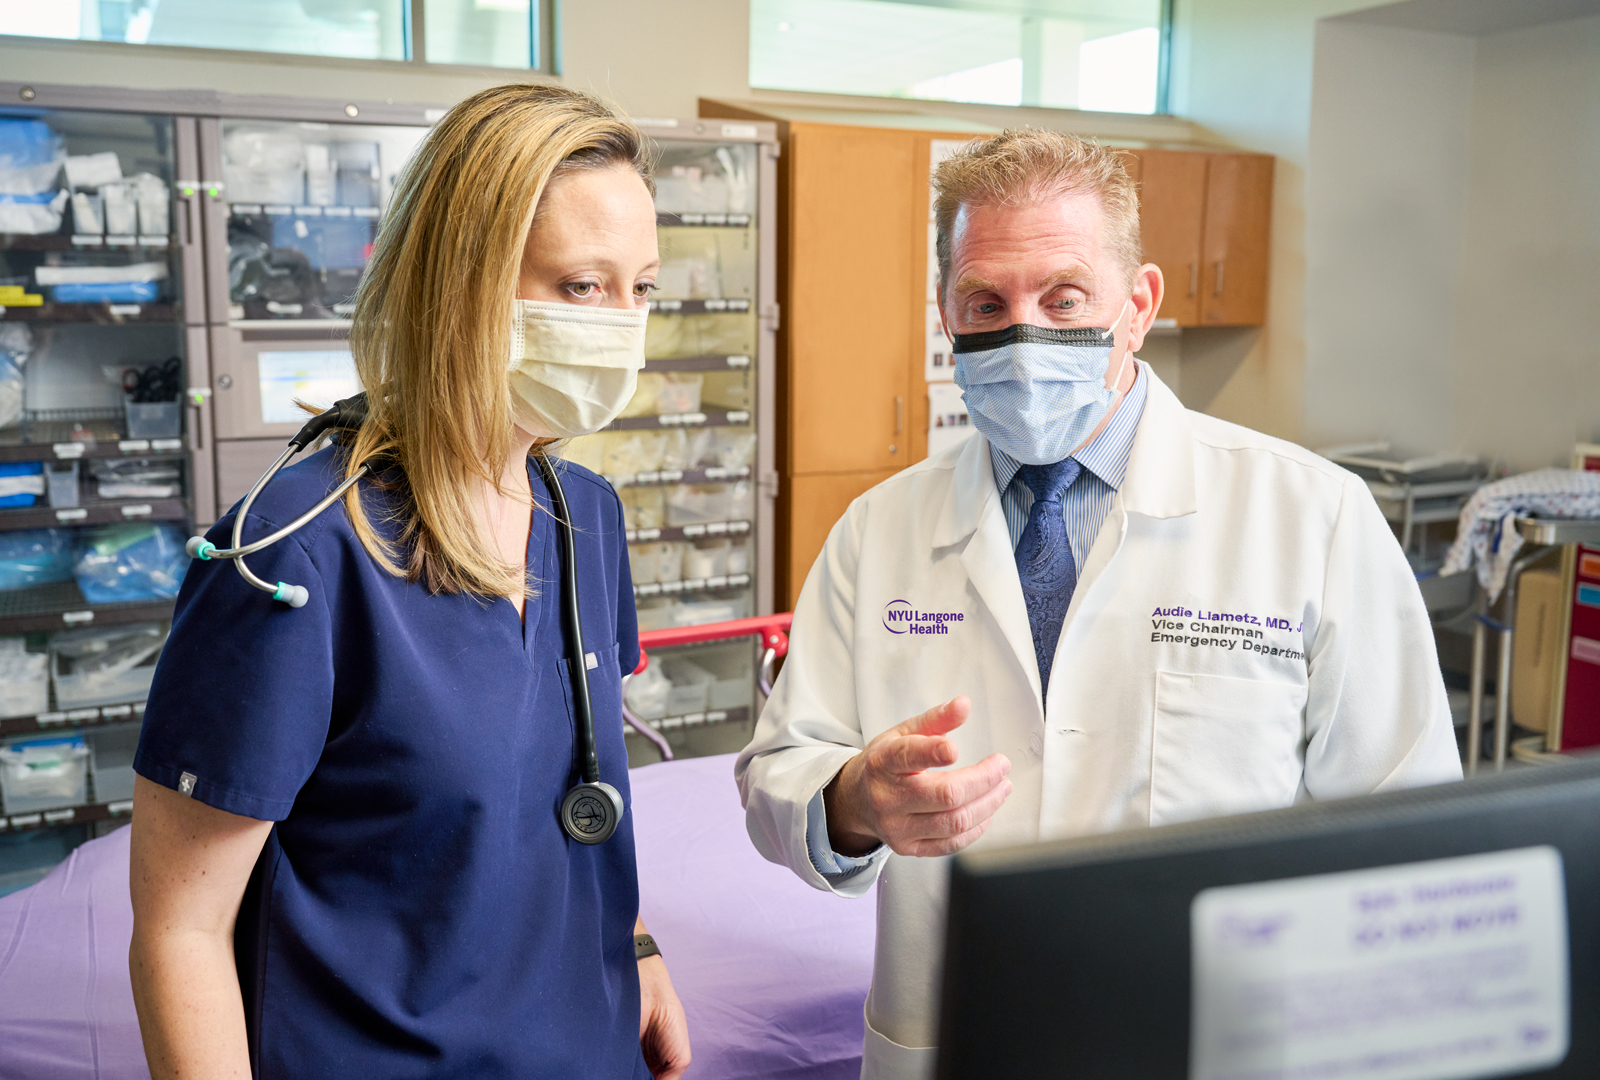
(948, 423)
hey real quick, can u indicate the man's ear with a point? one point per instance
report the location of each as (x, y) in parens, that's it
(1148, 289)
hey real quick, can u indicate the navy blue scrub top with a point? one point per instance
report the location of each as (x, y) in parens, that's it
(418, 910)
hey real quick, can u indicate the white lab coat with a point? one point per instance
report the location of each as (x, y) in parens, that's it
(1212, 520)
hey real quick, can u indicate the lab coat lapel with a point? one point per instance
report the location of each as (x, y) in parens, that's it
(972, 512)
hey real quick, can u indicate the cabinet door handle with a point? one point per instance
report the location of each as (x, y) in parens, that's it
(1194, 278)
(1218, 291)
(899, 412)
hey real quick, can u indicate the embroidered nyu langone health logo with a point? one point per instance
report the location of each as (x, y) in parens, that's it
(899, 617)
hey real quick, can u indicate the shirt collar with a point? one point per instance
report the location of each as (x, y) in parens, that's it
(1107, 456)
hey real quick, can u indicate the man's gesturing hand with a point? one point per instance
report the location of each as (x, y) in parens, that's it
(889, 794)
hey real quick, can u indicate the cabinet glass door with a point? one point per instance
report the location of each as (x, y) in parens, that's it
(683, 454)
(304, 201)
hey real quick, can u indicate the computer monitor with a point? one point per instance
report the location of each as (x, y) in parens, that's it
(1436, 933)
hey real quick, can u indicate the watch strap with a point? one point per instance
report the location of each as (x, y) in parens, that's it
(644, 945)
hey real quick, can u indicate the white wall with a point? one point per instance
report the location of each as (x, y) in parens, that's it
(1527, 331)
(1386, 202)
(1453, 240)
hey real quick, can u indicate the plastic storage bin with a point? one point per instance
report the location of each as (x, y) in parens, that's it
(125, 563)
(24, 679)
(35, 557)
(61, 483)
(44, 774)
(154, 420)
(106, 666)
(111, 763)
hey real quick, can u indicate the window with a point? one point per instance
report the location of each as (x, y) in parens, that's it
(483, 33)
(1078, 54)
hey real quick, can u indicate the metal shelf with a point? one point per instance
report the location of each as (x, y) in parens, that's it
(71, 719)
(672, 477)
(708, 418)
(52, 441)
(82, 242)
(1559, 531)
(725, 221)
(92, 511)
(687, 532)
(106, 314)
(699, 363)
(61, 606)
(699, 307)
(694, 586)
(736, 715)
(72, 815)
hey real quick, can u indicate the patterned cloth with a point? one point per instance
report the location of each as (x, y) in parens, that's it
(1487, 534)
(1044, 560)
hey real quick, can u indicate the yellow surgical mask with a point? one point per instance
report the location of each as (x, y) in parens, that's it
(572, 368)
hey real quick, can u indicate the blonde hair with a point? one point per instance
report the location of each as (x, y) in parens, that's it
(432, 322)
(1018, 166)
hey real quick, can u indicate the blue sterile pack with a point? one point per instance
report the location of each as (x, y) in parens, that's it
(35, 557)
(120, 564)
(21, 483)
(108, 292)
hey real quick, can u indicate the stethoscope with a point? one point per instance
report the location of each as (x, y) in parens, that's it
(592, 808)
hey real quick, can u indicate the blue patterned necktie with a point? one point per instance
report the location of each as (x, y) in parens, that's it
(1044, 560)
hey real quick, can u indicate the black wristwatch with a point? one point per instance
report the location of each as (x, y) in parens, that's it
(644, 945)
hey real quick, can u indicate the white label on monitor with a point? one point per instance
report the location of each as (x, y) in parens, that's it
(1432, 970)
(316, 377)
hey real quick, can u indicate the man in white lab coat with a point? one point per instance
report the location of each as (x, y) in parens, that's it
(1108, 611)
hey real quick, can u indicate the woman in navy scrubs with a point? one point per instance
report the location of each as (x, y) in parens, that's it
(347, 856)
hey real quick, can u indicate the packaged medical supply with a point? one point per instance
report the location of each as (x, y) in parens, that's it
(264, 165)
(21, 483)
(691, 685)
(738, 558)
(24, 679)
(704, 559)
(35, 557)
(105, 666)
(88, 214)
(154, 204)
(44, 774)
(16, 342)
(31, 201)
(322, 181)
(642, 507)
(93, 170)
(111, 763)
(131, 273)
(123, 563)
(136, 478)
(647, 692)
(669, 562)
(697, 504)
(120, 207)
(680, 392)
(732, 448)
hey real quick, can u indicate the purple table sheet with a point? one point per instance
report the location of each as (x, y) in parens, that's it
(772, 973)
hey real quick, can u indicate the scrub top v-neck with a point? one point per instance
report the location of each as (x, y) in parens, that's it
(418, 910)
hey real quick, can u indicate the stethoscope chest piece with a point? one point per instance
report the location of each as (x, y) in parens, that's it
(591, 812)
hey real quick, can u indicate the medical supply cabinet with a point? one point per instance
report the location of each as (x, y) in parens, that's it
(177, 272)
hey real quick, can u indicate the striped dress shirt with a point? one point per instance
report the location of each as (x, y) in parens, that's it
(1088, 500)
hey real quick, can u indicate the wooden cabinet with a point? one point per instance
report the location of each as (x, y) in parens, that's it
(1172, 204)
(1237, 228)
(1206, 220)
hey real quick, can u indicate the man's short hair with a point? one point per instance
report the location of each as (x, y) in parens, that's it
(1018, 166)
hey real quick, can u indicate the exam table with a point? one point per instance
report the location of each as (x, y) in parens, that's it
(772, 973)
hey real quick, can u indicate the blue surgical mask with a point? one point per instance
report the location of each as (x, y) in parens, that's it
(1036, 392)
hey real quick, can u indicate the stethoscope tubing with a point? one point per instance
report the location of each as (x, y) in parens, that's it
(589, 763)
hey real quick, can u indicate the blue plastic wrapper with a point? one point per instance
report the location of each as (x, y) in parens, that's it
(119, 564)
(113, 292)
(36, 557)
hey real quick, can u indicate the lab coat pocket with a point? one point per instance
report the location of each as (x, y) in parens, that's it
(1223, 745)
